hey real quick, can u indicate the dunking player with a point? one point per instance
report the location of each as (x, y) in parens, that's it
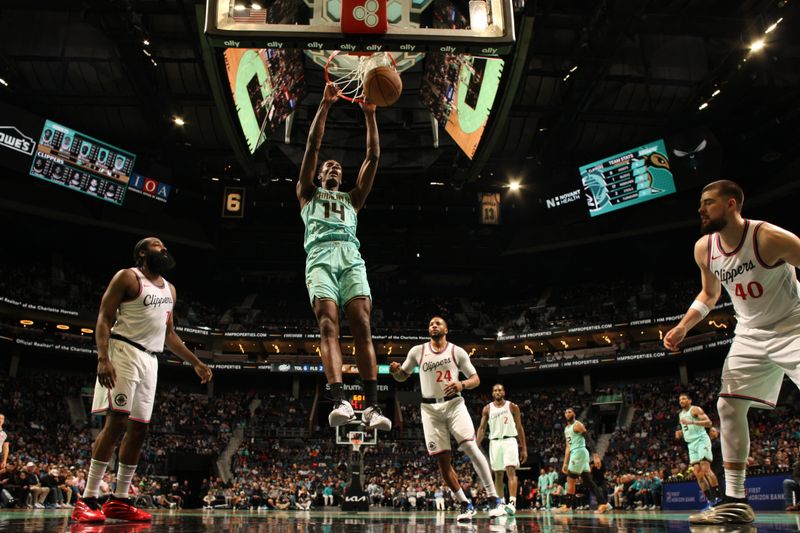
(576, 463)
(505, 434)
(755, 262)
(444, 412)
(134, 323)
(335, 272)
(693, 424)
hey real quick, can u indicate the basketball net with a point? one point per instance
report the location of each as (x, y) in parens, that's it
(356, 439)
(347, 71)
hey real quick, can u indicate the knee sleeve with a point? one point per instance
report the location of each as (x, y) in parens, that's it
(734, 431)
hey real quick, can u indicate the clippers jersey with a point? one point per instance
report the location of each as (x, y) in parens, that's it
(692, 432)
(144, 318)
(436, 370)
(761, 294)
(329, 216)
(501, 421)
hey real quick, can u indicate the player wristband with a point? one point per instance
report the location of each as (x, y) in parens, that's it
(700, 307)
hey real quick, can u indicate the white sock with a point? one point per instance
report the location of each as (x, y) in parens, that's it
(96, 471)
(734, 483)
(124, 477)
(481, 466)
(513, 500)
(460, 496)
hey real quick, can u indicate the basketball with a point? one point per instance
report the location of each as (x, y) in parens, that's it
(382, 86)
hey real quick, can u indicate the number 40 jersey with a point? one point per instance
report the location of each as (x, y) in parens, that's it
(762, 294)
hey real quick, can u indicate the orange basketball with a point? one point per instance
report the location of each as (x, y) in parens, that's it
(382, 86)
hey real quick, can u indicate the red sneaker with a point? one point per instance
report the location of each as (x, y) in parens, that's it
(123, 509)
(88, 510)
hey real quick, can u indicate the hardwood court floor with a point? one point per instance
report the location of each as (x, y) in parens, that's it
(385, 521)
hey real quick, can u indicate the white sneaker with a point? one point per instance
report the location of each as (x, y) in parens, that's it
(342, 414)
(467, 512)
(499, 509)
(373, 418)
(38, 506)
(511, 509)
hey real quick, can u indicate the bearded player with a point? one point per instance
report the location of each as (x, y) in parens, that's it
(576, 463)
(507, 447)
(133, 325)
(693, 425)
(444, 412)
(755, 261)
(335, 272)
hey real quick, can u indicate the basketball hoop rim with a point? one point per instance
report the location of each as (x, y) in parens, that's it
(358, 99)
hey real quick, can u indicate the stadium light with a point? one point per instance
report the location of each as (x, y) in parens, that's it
(62, 327)
(478, 15)
(87, 331)
(3, 82)
(755, 46)
(702, 106)
(514, 185)
(178, 121)
(255, 6)
(146, 42)
(715, 93)
(775, 25)
(499, 332)
(239, 6)
(26, 322)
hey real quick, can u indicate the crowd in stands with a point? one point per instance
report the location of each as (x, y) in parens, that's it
(272, 302)
(276, 473)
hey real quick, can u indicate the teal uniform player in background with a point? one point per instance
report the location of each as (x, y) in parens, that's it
(576, 463)
(693, 429)
(335, 272)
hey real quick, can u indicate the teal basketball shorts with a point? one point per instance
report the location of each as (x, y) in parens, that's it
(335, 271)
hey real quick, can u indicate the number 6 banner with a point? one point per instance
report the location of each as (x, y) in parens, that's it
(233, 202)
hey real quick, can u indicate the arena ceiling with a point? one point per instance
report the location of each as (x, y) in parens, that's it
(594, 78)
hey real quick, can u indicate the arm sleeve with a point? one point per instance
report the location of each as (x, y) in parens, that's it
(412, 359)
(463, 362)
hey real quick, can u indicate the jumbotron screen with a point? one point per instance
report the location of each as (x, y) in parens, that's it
(82, 163)
(266, 85)
(459, 90)
(627, 179)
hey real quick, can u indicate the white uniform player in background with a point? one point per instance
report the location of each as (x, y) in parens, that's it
(3, 443)
(507, 447)
(444, 412)
(133, 325)
(755, 262)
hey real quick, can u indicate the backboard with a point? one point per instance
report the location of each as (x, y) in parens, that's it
(414, 26)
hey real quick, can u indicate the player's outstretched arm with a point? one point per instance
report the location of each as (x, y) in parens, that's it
(123, 284)
(366, 176)
(305, 183)
(176, 346)
(705, 300)
(521, 442)
(482, 427)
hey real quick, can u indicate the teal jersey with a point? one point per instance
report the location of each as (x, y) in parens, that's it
(544, 481)
(553, 477)
(574, 440)
(328, 217)
(690, 432)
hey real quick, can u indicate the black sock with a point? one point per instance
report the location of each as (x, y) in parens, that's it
(371, 391)
(715, 492)
(337, 392)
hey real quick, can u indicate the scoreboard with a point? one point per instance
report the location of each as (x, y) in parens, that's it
(79, 162)
(628, 178)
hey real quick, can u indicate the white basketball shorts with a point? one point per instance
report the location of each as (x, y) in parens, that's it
(134, 391)
(503, 453)
(759, 359)
(440, 420)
